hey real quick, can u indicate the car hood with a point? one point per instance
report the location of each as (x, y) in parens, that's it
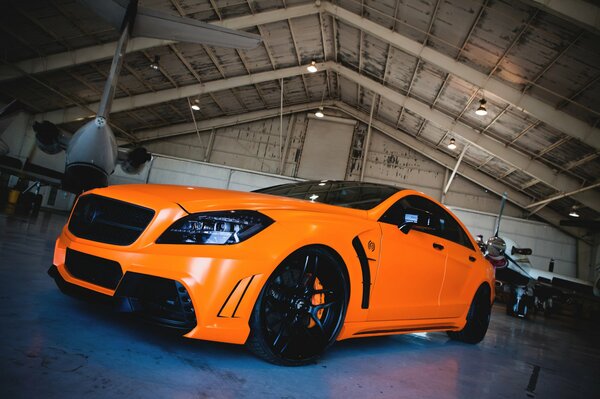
(201, 199)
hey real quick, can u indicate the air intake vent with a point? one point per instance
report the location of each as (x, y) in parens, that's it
(99, 271)
(109, 221)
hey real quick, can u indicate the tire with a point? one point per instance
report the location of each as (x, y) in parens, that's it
(478, 318)
(301, 308)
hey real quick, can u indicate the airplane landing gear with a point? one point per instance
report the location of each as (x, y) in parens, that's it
(520, 302)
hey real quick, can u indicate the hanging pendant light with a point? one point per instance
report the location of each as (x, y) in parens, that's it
(481, 110)
(452, 144)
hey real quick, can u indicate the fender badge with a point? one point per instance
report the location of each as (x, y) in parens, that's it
(371, 246)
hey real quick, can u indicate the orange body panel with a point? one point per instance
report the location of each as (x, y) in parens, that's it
(412, 287)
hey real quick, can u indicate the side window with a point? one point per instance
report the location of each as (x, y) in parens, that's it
(448, 227)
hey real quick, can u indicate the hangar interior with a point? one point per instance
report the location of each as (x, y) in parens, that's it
(396, 82)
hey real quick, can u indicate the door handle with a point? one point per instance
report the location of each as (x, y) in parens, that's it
(437, 246)
(472, 258)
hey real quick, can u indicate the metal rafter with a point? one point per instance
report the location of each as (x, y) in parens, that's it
(537, 108)
(495, 67)
(256, 87)
(389, 52)
(208, 52)
(421, 127)
(523, 132)
(178, 7)
(216, 9)
(488, 160)
(264, 43)
(573, 96)
(513, 43)
(360, 50)
(553, 146)
(530, 183)
(552, 62)
(581, 161)
(217, 65)
(322, 27)
(289, 21)
(410, 86)
(81, 80)
(441, 119)
(504, 110)
(461, 49)
(414, 75)
(41, 27)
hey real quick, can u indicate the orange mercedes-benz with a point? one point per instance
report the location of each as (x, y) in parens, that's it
(287, 270)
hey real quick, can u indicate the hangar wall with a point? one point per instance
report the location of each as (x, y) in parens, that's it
(256, 146)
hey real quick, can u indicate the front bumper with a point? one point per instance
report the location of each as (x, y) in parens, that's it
(158, 300)
(207, 292)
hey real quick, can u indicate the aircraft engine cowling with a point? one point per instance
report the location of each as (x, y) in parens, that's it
(48, 137)
(135, 160)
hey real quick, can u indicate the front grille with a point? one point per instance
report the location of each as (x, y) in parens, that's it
(108, 220)
(93, 269)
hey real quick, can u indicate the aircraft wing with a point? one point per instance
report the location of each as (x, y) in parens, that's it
(159, 25)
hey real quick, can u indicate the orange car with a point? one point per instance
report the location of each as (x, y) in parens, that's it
(286, 270)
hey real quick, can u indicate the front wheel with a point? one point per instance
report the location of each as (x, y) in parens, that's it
(301, 308)
(478, 318)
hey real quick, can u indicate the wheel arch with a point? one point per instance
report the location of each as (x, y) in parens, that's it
(487, 290)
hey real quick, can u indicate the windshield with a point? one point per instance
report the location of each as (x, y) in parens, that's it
(349, 194)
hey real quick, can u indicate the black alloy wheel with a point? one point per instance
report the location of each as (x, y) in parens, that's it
(301, 308)
(478, 318)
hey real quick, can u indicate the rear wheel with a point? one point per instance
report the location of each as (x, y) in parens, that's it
(478, 318)
(301, 308)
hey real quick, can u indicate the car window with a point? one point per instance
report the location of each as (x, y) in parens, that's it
(447, 226)
(348, 194)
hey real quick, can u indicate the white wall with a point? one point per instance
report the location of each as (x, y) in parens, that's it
(168, 170)
(325, 151)
(254, 146)
(390, 162)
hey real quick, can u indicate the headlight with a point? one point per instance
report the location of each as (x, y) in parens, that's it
(223, 227)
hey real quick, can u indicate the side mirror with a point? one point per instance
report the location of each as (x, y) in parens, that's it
(418, 219)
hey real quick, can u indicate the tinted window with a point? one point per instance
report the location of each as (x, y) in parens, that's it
(447, 228)
(348, 194)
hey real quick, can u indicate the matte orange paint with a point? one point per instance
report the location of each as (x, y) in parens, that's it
(413, 287)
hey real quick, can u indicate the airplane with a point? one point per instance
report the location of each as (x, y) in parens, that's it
(92, 152)
(529, 286)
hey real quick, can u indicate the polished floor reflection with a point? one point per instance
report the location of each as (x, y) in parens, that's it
(54, 346)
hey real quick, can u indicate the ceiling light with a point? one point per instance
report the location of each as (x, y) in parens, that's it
(155, 64)
(573, 213)
(312, 68)
(195, 105)
(319, 113)
(452, 145)
(481, 110)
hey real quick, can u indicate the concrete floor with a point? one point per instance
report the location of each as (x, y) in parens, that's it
(54, 346)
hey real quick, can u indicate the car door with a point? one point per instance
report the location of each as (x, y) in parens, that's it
(411, 268)
(462, 256)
